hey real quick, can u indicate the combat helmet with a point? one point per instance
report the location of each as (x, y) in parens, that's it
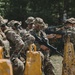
(39, 21)
(30, 20)
(3, 21)
(70, 20)
(13, 23)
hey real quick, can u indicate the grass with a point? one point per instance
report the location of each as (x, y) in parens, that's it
(57, 63)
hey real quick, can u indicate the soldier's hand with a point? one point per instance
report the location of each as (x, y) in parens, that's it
(43, 47)
(58, 36)
(51, 36)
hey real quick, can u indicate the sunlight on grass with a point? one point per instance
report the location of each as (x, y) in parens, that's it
(57, 63)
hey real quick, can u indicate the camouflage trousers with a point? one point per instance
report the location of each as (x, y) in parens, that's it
(18, 67)
(47, 65)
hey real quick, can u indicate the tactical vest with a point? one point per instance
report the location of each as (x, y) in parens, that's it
(5, 43)
(71, 32)
(12, 46)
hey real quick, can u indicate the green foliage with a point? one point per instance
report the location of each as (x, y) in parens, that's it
(50, 10)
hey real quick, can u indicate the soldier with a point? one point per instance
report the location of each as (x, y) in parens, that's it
(69, 28)
(26, 37)
(18, 67)
(16, 44)
(69, 56)
(30, 22)
(14, 25)
(3, 40)
(47, 67)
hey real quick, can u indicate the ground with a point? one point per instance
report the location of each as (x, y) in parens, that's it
(57, 63)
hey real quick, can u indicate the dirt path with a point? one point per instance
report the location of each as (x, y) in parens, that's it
(57, 63)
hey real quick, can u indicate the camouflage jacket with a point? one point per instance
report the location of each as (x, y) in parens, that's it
(71, 32)
(26, 37)
(38, 33)
(14, 39)
(5, 44)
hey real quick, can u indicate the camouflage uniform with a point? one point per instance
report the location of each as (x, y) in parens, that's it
(71, 30)
(16, 44)
(69, 56)
(14, 39)
(73, 37)
(30, 22)
(18, 67)
(3, 40)
(14, 25)
(47, 66)
(26, 37)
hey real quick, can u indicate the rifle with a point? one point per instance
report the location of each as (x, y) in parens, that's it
(60, 32)
(17, 55)
(19, 27)
(43, 41)
(54, 27)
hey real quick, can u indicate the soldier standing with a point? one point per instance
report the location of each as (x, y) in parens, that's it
(3, 40)
(69, 56)
(16, 44)
(47, 67)
(14, 25)
(30, 23)
(26, 36)
(69, 28)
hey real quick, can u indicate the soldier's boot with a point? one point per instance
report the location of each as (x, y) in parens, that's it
(18, 67)
(48, 68)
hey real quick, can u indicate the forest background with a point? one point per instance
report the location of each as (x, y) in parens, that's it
(54, 12)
